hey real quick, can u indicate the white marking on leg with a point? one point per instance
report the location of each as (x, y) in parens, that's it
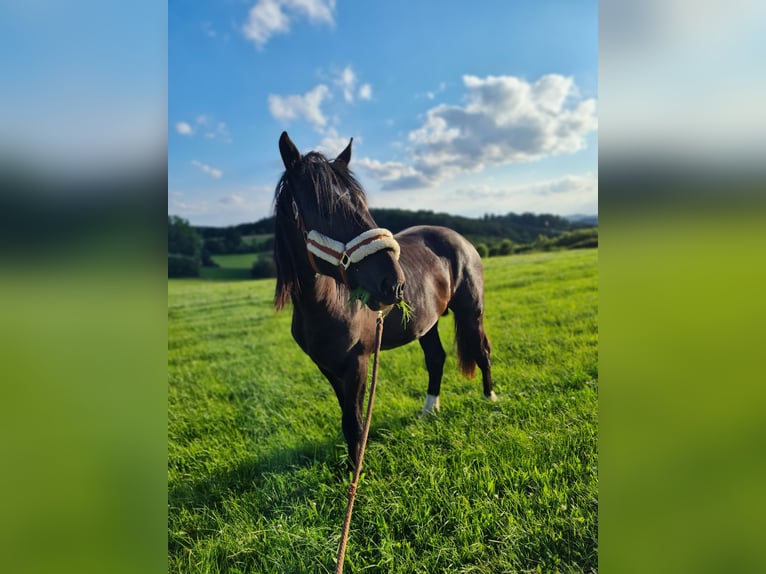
(432, 404)
(491, 397)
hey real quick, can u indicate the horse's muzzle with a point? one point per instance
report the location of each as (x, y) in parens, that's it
(391, 292)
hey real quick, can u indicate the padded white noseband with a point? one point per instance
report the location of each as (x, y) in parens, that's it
(343, 255)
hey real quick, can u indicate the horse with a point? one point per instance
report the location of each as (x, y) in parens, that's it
(327, 246)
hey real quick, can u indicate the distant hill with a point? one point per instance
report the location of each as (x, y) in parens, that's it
(591, 220)
(519, 228)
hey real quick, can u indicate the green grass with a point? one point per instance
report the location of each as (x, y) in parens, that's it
(256, 473)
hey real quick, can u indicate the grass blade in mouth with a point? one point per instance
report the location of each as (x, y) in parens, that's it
(359, 294)
(407, 311)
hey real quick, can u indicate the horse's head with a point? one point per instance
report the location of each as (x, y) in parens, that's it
(327, 210)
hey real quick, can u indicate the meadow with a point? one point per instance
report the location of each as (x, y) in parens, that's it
(231, 267)
(257, 480)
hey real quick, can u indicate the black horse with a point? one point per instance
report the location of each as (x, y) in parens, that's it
(327, 245)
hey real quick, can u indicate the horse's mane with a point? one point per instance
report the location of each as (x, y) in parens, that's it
(333, 184)
(336, 190)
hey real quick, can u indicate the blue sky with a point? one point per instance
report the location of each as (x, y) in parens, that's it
(83, 86)
(452, 107)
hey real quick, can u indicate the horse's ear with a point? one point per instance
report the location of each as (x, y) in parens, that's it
(290, 153)
(345, 155)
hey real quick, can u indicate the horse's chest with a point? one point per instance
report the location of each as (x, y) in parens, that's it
(326, 344)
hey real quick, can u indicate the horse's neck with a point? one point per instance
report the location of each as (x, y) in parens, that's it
(313, 295)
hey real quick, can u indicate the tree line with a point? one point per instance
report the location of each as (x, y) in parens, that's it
(519, 228)
(191, 247)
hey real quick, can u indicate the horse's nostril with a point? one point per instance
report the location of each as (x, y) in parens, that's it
(390, 289)
(399, 291)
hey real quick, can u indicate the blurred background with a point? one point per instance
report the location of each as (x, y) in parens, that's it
(681, 282)
(83, 191)
(83, 132)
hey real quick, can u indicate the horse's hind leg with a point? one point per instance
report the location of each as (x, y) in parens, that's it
(473, 344)
(435, 357)
(484, 362)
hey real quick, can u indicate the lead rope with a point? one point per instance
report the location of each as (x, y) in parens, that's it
(365, 432)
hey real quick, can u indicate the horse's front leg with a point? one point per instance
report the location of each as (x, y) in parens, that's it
(354, 384)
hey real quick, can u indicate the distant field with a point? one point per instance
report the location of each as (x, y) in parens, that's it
(256, 472)
(231, 266)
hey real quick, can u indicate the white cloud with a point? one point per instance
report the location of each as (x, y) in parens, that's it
(505, 120)
(184, 129)
(269, 17)
(187, 208)
(332, 143)
(212, 129)
(307, 106)
(565, 195)
(405, 176)
(365, 92)
(218, 131)
(556, 188)
(218, 207)
(346, 81)
(211, 171)
(431, 94)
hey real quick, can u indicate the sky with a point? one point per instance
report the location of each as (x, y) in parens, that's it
(456, 106)
(84, 85)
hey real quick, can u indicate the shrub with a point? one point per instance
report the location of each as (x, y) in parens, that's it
(207, 259)
(483, 250)
(182, 266)
(579, 238)
(264, 268)
(542, 243)
(585, 243)
(505, 247)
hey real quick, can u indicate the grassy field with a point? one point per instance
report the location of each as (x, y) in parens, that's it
(256, 469)
(231, 267)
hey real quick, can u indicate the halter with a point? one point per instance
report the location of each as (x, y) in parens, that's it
(340, 254)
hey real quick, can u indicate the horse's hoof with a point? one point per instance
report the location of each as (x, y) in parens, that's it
(431, 406)
(491, 397)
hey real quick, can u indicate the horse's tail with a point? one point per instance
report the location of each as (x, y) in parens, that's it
(465, 340)
(465, 355)
(467, 304)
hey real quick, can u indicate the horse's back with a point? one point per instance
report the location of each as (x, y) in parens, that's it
(448, 245)
(441, 240)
